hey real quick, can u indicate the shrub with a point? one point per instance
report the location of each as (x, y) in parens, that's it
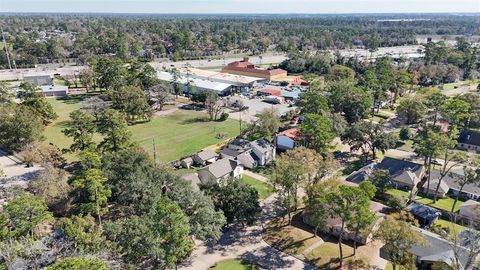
(405, 134)
(224, 116)
(397, 203)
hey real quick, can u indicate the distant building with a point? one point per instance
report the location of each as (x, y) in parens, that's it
(244, 67)
(190, 85)
(469, 140)
(54, 90)
(214, 76)
(269, 92)
(39, 80)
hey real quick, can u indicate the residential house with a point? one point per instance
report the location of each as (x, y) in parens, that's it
(263, 151)
(404, 174)
(469, 191)
(222, 169)
(436, 250)
(471, 210)
(432, 188)
(426, 215)
(288, 139)
(205, 157)
(250, 154)
(334, 225)
(469, 140)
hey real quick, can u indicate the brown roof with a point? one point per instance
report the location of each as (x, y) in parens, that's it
(245, 66)
(291, 133)
(270, 91)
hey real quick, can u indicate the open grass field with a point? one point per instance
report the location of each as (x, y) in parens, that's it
(176, 135)
(234, 264)
(264, 190)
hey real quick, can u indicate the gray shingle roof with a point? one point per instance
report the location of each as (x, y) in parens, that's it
(450, 179)
(436, 250)
(469, 137)
(206, 154)
(222, 167)
(397, 166)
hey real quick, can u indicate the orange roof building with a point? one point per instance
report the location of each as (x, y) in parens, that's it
(270, 92)
(245, 68)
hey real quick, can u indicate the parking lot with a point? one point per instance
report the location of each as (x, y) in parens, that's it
(256, 106)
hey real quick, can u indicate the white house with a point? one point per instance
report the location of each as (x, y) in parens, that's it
(222, 169)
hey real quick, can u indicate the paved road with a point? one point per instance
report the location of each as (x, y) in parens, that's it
(214, 63)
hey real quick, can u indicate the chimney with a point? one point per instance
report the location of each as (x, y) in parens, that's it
(245, 59)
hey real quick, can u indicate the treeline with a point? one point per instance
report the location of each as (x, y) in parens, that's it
(44, 38)
(441, 64)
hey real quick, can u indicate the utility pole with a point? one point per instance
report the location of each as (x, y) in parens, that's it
(240, 121)
(154, 152)
(6, 48)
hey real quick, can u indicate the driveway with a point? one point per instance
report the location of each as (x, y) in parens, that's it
(245, 244)
(16, 172)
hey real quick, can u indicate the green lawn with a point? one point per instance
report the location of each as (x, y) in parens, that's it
(181, 133)
(397, 192)
(450, 225)
(444, 204)
(176, 135)
(234, 264)
(264, 190)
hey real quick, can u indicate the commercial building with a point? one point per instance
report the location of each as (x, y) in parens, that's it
(233, 79)
(194, 84)
(244, 67)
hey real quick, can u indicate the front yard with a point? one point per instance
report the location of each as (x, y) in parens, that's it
(264, 189)
(443, 204)
(322, 251)
(234, 264)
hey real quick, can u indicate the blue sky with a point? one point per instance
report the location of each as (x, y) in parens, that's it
(240, 6)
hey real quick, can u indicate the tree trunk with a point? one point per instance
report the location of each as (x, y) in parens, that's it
(355, 244)
(456, 198)
(429, 175)
(340, 238)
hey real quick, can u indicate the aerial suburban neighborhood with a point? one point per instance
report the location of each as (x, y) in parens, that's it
(201, 135)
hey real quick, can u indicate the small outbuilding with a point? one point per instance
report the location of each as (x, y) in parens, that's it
(426, 215)
(205, 157)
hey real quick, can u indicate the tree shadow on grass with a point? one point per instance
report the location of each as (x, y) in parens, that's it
(74, 99)
(195, 120)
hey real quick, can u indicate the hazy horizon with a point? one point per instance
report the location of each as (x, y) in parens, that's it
(213, 7)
